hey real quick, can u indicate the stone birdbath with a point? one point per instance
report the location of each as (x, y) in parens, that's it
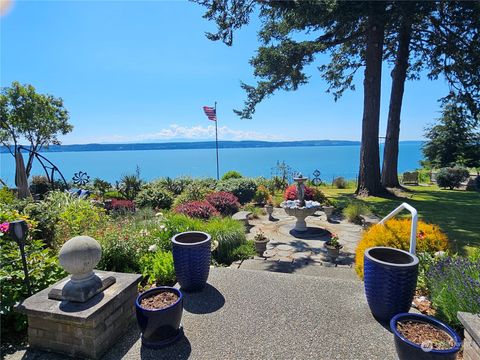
(300, 208)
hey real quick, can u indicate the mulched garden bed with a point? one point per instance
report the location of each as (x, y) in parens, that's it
(159, 301)
(422, 333)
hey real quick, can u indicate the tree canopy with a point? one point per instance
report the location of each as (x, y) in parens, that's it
(26, 115)
(454, 140)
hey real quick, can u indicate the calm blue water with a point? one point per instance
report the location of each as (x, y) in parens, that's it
(111, 165)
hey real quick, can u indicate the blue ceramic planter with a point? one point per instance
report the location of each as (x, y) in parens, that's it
(160, 327)
(407, 350)
(390, 278)
(191, 259)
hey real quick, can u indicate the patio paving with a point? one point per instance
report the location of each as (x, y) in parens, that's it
(308, 248)
(247, 314)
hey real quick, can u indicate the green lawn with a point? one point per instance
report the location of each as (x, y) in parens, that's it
(457, 212)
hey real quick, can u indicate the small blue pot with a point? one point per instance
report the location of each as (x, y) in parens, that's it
(390, 279)
(191, 259)
(161, 327)
(407, 350)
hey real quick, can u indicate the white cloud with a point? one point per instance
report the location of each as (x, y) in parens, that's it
(193, 133)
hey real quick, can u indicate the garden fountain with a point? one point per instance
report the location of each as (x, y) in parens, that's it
(300, 208)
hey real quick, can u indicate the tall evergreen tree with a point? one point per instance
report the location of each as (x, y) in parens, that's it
(281, 58)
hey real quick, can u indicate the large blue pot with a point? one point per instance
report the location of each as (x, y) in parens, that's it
(160, 327)
(191, 259)
(407, 350)
(390, 279)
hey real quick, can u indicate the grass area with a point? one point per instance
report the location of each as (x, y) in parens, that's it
(457, 212)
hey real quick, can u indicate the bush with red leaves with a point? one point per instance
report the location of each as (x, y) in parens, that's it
(120, 205)
(314, 194)
(197, 209)
(224, 202)
(291, 193)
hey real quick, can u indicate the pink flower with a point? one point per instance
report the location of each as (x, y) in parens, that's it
(4, 227)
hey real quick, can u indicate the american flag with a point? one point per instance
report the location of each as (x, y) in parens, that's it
(210, 112)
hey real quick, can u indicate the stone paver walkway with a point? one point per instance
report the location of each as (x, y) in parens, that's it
(288, 246)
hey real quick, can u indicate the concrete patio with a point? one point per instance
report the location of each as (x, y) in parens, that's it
(249, 314)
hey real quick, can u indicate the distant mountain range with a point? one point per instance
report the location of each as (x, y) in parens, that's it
(197, 145)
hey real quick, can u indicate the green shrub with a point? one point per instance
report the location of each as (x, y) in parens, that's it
(245, 251)
(261, 195)
(451, 177)
(255, 210)
(193, 192)
(339, 183)
(454, 285)
(101, 186)
(157, 268)
(155, 196)
(229, 233)
(175, 186)
(6, 196)
(244, 189)
(232, 174)
(43, 268)
(40, 185)
(114, 194)
(353, 211)
(79, 217)
(130, 185)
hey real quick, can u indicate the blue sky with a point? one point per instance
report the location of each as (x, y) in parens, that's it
(133, 71)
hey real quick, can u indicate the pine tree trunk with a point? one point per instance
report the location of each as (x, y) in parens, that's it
(369, 173)
(399, 75)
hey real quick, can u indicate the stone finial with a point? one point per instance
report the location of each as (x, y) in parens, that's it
(79, 256)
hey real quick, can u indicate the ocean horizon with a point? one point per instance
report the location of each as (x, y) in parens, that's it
(259, 160)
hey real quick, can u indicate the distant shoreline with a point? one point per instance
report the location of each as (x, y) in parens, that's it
(197, 145)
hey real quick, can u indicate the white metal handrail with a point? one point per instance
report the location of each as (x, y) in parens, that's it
(413, 229)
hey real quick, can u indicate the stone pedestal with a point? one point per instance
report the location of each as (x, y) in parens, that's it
(85, 329)
(301, 214)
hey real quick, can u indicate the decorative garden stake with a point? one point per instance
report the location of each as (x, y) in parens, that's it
(18, 231)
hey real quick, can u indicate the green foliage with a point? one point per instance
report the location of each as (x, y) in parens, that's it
(40, 185)
(261, 195)
(29, 116)
(155, 196)
(454, 285)
(175, 186)
(7, 196)
(255, 210)
(339, 183)
(130, 185)
(426, 261)
(229, 233)
(157, 268)
(195, 191)
(244, 189)
(232, 174)
(282, 175)
(114, 194)
(454, 140)
(245, 251)
(451, 177)
(43, 268)
(353, 211)
(101, 186)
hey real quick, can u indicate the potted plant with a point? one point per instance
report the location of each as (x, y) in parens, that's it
(159, 313)
(269, 208)
(260, 243)
(191, 258)
(333, 247)
(422, 337)
(390, 279)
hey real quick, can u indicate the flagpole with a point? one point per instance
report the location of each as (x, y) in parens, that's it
(216, 138)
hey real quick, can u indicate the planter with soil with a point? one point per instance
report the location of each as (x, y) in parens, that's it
(191, 259)
(260, 243)
(423, 337)
(333, 251)
(159, 313)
